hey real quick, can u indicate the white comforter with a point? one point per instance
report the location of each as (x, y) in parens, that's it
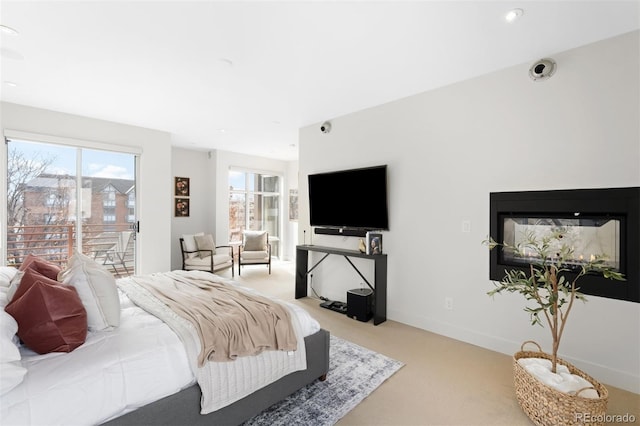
(112, 373)
(221, 383)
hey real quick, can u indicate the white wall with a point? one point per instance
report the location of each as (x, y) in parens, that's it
(199, 167)
(154, 186)
(447, 149)
(290, 226)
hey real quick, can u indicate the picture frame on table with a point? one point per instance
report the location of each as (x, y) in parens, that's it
(374, 243)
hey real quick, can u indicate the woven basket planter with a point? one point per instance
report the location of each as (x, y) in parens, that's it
(546, 406)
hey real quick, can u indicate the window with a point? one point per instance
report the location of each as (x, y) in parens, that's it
(131, 207)
(49, 218)
(254, 204)
(51, 200)
(64, 197)
(109, 197)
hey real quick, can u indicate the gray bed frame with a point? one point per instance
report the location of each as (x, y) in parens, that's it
(183, 408)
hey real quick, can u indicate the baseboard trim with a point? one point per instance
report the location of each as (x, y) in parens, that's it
(605, 374)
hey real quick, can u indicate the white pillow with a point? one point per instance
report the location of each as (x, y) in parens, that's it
(6, 273)
(190, 244)
(12, 371)
(205, 242)
(13, 285)
(255, 240)
(97, 290)
(8, 328)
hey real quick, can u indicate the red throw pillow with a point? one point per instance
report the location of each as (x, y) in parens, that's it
(29, 276)
(50, 316)
(46, 268)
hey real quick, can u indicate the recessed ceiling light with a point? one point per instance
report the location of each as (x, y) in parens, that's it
(222, 130)
(8, 30)
(11, 84)
(513, 14)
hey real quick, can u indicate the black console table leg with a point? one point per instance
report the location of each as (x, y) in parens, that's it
(380, 294)
(302, 263)
(379, 286)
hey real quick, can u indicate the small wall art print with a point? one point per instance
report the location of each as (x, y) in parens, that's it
(374, 243)
(182, 207)
(181, 187)
(293, 205)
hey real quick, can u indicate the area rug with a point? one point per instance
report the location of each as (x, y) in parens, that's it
(354, 372)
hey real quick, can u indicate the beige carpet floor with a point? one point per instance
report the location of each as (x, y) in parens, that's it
(443, 382)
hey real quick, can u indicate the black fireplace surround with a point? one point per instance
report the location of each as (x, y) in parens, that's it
(613, 214)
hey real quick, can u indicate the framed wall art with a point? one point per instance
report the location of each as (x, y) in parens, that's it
(293, 205)
(181, 187)
(181, 207)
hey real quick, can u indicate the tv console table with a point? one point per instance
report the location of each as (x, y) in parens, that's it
(380, 274)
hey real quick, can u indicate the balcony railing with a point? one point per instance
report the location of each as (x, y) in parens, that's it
(57, 243)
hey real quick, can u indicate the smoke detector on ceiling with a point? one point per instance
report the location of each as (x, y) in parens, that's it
(542, 69)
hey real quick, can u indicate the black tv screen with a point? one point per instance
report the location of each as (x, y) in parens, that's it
(355, 198)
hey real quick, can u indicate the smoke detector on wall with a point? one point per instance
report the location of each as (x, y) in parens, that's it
(542, 69)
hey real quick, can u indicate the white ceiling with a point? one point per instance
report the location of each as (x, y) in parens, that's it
(245, 76)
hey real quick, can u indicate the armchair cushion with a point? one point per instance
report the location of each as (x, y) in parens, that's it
(255, 240)
(190, 244)
(199, 263)
(248, 256)
(205, 242)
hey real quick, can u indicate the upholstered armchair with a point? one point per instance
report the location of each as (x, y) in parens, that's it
(255, 249)
(199, 253)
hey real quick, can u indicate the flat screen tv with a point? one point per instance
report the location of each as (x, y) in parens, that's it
(355, 198)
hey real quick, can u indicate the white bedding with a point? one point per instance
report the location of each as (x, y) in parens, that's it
(112, 373)
(221, 383)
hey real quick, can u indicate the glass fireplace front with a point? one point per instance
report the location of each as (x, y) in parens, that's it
(598, 222)
(588, 237)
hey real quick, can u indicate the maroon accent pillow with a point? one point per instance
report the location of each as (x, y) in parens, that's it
(29, 276)
(46, 268)
(50, 316)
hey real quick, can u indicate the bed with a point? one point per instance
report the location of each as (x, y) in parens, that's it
(143, 371)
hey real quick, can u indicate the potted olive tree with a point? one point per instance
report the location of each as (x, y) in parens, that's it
(550, 287)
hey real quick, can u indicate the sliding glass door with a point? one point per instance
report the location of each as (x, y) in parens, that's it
(64, 198)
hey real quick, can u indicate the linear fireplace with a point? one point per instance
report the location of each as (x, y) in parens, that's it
(598, 222)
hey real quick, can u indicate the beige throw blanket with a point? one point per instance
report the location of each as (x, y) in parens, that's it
(221, 383)
(229, 322)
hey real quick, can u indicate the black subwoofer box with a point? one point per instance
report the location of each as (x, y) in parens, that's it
(359, 302)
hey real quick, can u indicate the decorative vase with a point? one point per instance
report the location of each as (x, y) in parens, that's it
(545, 405)
(361, 246)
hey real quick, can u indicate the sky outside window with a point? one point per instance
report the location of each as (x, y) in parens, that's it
(94, 163)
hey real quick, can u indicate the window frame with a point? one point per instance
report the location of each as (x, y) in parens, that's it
(248, 193)
(11, 134)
